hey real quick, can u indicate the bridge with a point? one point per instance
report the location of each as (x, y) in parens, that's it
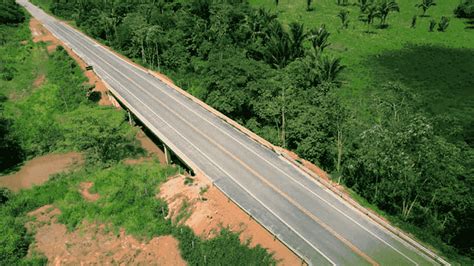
(300, 211)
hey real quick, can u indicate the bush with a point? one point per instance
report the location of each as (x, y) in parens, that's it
(465, 9)
(443, 24)
(11, 13)
(5, 195)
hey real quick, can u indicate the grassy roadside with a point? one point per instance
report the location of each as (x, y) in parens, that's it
(57, 116)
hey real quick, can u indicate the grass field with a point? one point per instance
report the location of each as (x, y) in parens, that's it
(438, 65)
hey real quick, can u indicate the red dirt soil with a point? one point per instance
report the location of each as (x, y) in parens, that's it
(97, 244)
(211, 211)
(84, 190)
(38, 170)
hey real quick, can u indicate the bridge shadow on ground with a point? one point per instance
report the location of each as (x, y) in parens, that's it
(160, 144)
(442, 76)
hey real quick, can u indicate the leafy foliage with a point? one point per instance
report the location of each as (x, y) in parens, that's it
(10, 13)
(398, 165)
(425, 5)
(465, 9)
(344, 16)
(443, 24)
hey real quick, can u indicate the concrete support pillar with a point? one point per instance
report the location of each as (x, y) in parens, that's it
(167, 154)
(129, 117)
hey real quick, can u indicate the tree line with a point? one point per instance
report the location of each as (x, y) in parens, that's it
(281, 82)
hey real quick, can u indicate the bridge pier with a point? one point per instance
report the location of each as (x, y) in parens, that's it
(167, 154)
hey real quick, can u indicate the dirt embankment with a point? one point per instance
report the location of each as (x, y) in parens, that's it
(208, 210)
(38, 170)
(94, 244)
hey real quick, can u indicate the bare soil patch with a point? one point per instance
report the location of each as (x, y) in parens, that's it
(40, 34)
(97, 244)
(39, 80)
(38, 170)
(84, 190)
(210, 210)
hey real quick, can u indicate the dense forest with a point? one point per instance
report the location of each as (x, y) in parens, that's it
(281, 82)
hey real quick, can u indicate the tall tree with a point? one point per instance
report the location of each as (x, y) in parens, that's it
(385, 7)
(371, 12)
(319, 38)
(425, 5)
(297, 37)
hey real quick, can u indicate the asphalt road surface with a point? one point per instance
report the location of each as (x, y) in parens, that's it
(307, 217)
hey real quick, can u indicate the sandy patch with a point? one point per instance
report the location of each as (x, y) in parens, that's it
(84, 190)
(38, 170)
(97, 244)
(210, 210)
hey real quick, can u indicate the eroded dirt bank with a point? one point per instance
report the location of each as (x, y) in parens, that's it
(208, 210)
(38, 170)
(97, 244)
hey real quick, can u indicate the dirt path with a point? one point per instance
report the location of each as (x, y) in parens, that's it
(210, 210)
(94, 244)
(38, 170)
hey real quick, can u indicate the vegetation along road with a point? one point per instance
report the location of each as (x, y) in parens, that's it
(313, 221)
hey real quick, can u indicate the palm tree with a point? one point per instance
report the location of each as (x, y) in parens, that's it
(319, 38)
(278, 46)
(385, 7)
(425, 4)
(344, 16)
(364, 4)
(297, 37)
(258, 22)
(329, 70)
(371, 12)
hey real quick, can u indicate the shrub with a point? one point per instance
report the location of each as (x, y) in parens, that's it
(11, 13)
(443, 24)
(465, 9)
(5, 195)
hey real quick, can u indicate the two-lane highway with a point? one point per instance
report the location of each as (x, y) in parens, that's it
(303, 214)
